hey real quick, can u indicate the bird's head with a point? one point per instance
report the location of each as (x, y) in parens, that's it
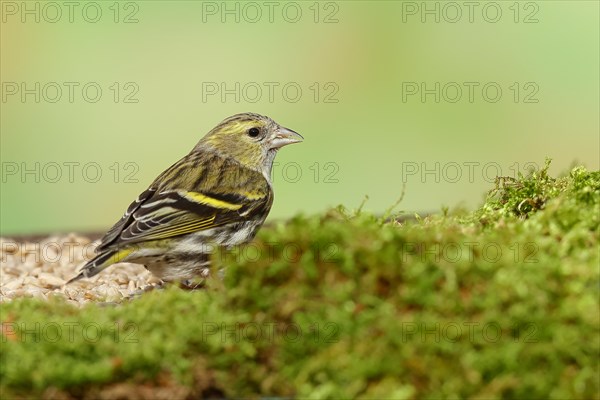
(251, 139)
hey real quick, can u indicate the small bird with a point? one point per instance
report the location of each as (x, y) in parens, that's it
(217, 195)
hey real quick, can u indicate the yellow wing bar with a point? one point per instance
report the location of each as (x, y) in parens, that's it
(209, 201)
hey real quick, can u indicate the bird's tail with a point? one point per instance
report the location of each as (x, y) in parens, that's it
(100, 262)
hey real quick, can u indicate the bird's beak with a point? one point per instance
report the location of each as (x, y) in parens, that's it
(284, 136)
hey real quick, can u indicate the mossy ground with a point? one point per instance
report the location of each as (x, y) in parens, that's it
(502, 302)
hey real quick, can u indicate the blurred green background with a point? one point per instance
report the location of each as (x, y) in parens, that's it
(169, 71)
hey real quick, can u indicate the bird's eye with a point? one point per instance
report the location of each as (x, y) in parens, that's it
(253, 132)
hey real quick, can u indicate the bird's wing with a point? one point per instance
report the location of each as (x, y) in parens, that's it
(168, 212)
(125, 220)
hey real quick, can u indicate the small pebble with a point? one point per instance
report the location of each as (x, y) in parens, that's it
(41, 270)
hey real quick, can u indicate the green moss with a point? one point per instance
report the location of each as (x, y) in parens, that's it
(498, 303)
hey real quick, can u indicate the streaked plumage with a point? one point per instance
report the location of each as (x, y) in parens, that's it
(217, 195)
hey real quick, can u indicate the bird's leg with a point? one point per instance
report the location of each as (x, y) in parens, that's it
(192, 284)
(159, 286)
